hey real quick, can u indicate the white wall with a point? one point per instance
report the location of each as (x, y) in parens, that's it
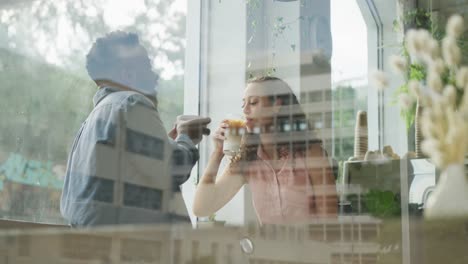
(385, 124)
(395, 132)
(191, 87)
(223, 79)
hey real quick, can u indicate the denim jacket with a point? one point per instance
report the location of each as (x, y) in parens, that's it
(123, 168)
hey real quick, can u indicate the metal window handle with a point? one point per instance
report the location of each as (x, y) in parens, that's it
(246, 245)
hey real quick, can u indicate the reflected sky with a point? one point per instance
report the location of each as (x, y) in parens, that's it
(62, 31)
(69, 37)
(349, 34)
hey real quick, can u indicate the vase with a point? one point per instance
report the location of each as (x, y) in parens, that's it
(450, 197)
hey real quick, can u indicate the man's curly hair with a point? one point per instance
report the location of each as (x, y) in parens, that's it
(115, 51)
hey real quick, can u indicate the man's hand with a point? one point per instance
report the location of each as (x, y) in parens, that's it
(173, 133)
(195, 128)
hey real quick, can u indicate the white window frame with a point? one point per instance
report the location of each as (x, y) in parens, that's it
(381, 15)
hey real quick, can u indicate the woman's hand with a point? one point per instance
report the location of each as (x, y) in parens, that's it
(219, 136)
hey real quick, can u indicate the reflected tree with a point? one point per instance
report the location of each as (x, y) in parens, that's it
(61, 32)
(45, 88)
(46, 93)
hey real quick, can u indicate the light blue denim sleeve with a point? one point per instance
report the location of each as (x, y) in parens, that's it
(184, 152)
(184, 157)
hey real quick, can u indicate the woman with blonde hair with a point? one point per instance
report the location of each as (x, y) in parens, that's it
(280, 158)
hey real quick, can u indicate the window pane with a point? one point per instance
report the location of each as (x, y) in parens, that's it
(313, 151)
(47, 93)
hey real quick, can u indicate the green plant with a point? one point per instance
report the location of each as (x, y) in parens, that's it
(378, 203)
(415, 72)
(419, 19)
(382, 203)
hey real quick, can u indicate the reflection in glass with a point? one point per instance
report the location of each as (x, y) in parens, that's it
(284, 165)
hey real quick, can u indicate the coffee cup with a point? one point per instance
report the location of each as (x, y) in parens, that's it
(233, 135)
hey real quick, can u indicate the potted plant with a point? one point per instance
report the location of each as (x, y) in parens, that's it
(444, 120)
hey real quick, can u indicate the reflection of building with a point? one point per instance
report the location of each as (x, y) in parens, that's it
(347, 98)
(342, 240)
(158, 244)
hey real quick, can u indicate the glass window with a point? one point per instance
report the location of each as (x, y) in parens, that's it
(315, 151)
